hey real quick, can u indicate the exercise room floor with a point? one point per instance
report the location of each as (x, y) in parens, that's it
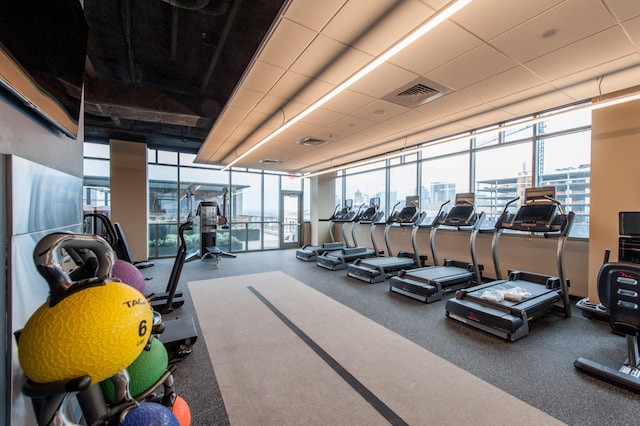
(415, 364)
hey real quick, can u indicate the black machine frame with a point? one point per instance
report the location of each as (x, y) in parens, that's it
(510, 319)
(335, 260)
(309, 253)
(432, 283)
(618, 291)
(378, 269)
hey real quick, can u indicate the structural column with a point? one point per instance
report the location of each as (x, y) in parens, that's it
(129, 188)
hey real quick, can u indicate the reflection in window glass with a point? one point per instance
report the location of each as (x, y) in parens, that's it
(565, 164)
(96, 194)
(402, 183)
(208, 185)
(501, 175)
(163, 210)
(247, 197)
(442, 179)
(364, 186)
(163, 194)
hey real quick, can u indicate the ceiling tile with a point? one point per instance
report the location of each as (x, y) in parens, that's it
(348, 101)
(490, 18)
(632, 27)
(429, 52)
(373, 26)
(532, 100)
(380, 110)
(446, 105)
(472, 67)
(262, 76)
(594, 18)
(247, 98)
(383, 80)
(587, 53)
(511, 81)
(300, 88)
(624, 9)
(604, 78)
(313, 14)
(329, 60)
(286, 43)
(323, 117)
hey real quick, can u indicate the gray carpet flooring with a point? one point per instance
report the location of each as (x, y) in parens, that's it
(537, 369)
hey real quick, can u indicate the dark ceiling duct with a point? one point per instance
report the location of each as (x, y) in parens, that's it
(188, 4)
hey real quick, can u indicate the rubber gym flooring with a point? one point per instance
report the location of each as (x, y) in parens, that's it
(283, 341)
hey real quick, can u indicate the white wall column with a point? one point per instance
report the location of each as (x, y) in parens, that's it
(323, 197)
(615, 149)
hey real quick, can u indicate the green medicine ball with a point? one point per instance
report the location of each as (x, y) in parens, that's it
(144, 372)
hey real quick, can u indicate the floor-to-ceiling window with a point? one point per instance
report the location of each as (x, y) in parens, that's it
(496, 163)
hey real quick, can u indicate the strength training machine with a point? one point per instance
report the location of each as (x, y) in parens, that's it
(628, 252)
(618, 292)
(505, 308)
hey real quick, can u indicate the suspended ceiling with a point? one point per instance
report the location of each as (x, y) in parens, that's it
(492, 61)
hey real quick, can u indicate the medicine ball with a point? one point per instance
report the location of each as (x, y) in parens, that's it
(182, 411)
(128, 274)
(144, 372)
(149, 414)
(93, 327)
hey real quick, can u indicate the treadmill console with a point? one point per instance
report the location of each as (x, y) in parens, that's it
(406, 215)
(462, 215)
(371, 213)
(536, 218)
(345, 214)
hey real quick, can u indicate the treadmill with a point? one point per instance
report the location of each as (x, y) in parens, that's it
(335, 260)
(378, 269)
(506, 307)
(431, 283)
(309, 253)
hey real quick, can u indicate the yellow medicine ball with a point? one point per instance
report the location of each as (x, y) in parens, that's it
(96, 331)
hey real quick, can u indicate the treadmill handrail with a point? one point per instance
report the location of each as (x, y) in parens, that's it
(387, 226)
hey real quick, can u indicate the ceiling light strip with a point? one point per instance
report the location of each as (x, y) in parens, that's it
(430, 24)
(534, 120)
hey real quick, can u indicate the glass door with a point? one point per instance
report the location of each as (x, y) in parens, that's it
(291, 214)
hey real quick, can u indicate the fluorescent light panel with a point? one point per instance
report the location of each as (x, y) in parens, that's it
(430, 24)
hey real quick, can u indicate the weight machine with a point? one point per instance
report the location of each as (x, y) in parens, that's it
(210, 218)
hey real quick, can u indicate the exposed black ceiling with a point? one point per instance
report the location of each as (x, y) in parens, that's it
(161, 71)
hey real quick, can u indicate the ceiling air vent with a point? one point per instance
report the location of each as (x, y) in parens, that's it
(417, 93)
(269, 161)
(313, 142)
